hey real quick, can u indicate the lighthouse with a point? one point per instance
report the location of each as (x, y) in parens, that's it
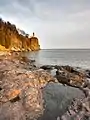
(33, 34)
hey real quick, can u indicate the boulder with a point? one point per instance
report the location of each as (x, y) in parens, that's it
(70, 76)
(21, 90)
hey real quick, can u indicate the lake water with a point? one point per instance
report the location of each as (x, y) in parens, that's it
(73, 57)
(56, 96)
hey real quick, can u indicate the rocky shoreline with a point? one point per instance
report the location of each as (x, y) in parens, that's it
(28, 92)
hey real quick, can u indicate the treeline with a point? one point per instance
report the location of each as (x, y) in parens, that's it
(5, 33)
(10, 37)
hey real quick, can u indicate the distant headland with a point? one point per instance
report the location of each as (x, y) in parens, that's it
(13, 39)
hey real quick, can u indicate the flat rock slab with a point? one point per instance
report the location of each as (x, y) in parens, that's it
(57, 98)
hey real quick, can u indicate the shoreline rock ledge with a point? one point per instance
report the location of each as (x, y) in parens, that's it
(21, 85)
(28, 92)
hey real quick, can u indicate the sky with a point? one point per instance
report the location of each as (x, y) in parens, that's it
(57, 23)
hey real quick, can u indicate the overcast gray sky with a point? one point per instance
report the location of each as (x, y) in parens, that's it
(58, 23)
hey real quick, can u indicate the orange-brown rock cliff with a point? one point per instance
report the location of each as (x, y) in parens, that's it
(11, 39)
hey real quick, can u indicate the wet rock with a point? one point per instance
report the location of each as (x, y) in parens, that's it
(88, 73)
(47, 67)
(68, 75)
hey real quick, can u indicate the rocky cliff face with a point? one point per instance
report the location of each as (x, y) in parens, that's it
(11, 39)
(34, 45)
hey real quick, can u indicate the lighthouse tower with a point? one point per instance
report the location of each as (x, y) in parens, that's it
(33, 34)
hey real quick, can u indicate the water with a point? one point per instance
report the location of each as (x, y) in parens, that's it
(56, 96)
(73, 57)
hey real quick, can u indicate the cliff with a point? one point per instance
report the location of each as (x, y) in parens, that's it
(2, 48)
(12, 39)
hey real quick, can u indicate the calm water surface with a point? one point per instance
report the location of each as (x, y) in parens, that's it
(73, 57)
(56, 96)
